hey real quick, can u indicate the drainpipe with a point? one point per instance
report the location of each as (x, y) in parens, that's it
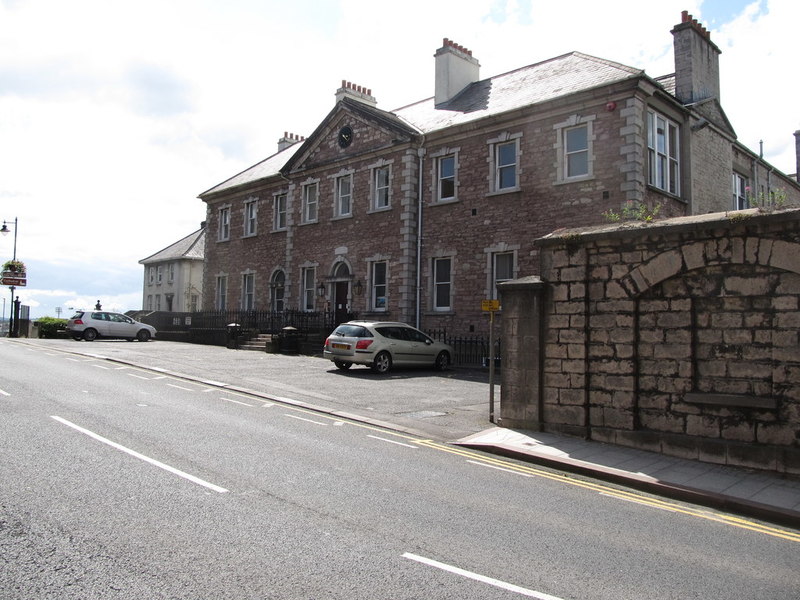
(418, 302)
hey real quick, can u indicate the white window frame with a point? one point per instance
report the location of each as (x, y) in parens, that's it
(442, 178)
(740, 199)
(248, 291)
(159, 274)
(151, 273)
(279, 212)
(566, 152)
(221, 293)
(170, 272)
(308, 288)
(499, 165)
(150, 302)
(379, 285)
(310, 208)
(663, 153)
(343, 199)
(442, 287)
(381, 193)
(224, 224)
(493, 280)
(251, 217)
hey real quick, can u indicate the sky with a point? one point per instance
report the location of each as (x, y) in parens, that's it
(115, 115)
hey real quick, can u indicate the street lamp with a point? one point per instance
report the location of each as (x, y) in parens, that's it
(14, 317)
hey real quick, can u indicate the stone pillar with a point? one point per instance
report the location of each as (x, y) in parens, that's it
(522, 345)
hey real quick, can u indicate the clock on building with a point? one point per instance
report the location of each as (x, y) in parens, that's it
(345, 136)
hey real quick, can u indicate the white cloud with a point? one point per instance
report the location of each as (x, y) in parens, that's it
(115, 115)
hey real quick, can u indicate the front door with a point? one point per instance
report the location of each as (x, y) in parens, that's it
(341, 309)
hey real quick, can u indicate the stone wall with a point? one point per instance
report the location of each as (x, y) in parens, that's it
(679, 336)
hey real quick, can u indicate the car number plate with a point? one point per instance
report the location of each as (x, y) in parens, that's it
(341, 346)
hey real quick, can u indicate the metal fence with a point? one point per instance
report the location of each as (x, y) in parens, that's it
(212, 327)
(252, 321)
(468, 350)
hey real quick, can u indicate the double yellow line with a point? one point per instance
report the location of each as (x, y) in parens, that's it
(606, 490)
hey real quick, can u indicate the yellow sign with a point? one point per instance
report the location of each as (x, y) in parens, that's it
(490, 305)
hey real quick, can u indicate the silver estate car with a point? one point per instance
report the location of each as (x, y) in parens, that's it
(381, 345)
(90, 325)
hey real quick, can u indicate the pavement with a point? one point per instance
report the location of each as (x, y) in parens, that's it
(452, 408)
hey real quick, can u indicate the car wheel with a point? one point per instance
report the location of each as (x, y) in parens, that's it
(442, 361)
(90, 335)
(77, 338)
(382, 363)
(143, 335)
(342, 365)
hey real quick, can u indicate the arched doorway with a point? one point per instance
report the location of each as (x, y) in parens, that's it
(277, 290)
(341, 292)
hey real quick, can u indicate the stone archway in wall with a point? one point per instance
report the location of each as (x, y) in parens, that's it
(716, 344)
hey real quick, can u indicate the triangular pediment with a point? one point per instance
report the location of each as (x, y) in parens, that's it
(351, 129)
(712, 111)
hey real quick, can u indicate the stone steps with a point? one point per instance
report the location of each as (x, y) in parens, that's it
(261, 343)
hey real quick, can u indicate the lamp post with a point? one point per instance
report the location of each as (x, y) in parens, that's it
(14, 313)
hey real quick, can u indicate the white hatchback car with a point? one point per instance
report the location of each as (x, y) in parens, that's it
(90, 325)
(383, 344)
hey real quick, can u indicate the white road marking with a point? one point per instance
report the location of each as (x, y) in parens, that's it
(139, 376)
(267, 405)
(480, 464)
(482, 578)
(185, 389)
(101, 367)
(236, 402)
(4, 393)
(307, 420)
(375, 437)
(146, 459)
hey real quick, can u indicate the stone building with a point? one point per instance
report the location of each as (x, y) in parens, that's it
(417, 214)
(173, 277)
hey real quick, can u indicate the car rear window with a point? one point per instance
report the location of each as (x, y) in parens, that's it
(78, 315)
(352, 331)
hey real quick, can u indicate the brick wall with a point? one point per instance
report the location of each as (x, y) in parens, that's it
(680, 337)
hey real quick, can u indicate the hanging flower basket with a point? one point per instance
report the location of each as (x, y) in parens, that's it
(16, 267)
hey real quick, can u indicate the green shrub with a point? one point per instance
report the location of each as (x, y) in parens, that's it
(49, 326)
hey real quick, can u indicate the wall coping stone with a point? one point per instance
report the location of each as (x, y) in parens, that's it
(672, 225)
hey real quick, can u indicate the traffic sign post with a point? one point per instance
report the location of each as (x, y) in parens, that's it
(491, 306)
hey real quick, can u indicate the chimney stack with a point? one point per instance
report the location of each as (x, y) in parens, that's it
(696, 61)
(797, 154)
(455, 69)
(356, 92)
(288, 139)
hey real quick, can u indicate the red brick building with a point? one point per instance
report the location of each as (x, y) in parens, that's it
(417, 214)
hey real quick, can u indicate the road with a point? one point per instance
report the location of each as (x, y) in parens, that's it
(119, 482)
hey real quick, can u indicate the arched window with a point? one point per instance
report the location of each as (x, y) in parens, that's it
(342, 271)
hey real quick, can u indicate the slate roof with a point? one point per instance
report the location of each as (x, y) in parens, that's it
(554, 78)
(266, 168)
(541, 82)
(191, 247)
